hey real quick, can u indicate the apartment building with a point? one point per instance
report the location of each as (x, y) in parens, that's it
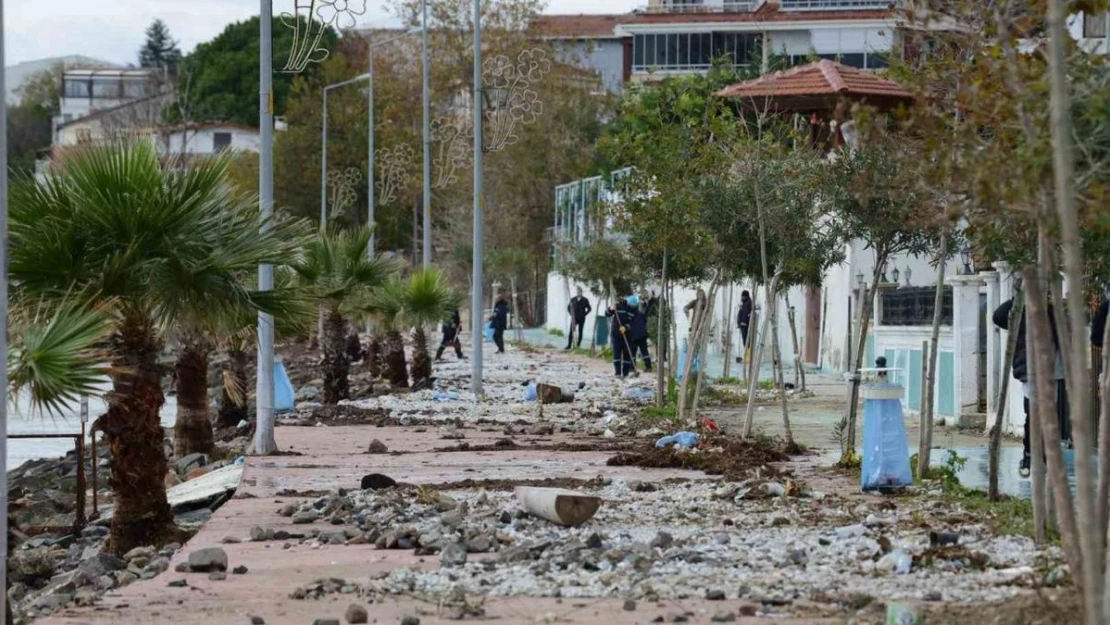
(673, 37)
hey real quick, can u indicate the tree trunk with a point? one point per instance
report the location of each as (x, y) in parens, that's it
(375, 355)
(1104, 439)
(233, 404)
(354, 349)
(336, 366)
(661, 338)
(729, 319)
(776, 351)
(134, 437)
(1044, 399)
(395, 369)
(799, 369)
(688, 365)
(865, 310)
(192, 432)
(702, 345)
(995, 442)
(753, 376)
(928, 394)
(421, 361)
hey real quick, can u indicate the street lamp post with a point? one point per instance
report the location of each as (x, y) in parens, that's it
(3, 315)
(427, 142)
(476, 259)
(324, 157)
(264, 442)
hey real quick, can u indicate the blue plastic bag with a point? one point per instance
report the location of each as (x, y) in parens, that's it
(682, 363)
(531, 393)
(488, 332)
(886, 454)
(283, 389)
(444, 396)
(681, 440)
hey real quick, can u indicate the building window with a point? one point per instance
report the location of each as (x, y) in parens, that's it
(914, 306)
(821, 5)
(76, 88)
(1094, 26)
(107, 89)
(692, 51)
(135, 89)
(221, 141)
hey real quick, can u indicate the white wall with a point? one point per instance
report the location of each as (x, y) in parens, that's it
(202, 141)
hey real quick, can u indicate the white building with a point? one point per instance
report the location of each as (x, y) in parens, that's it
(87, 91)
(206, 139)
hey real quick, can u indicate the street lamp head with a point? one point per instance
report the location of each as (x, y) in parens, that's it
(965, 256)
(895, 274)
(859, 277)
(909, 272)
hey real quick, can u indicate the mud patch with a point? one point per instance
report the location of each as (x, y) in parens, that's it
(505, 444)
(342, 414)
(728, 456)
(1043, 608)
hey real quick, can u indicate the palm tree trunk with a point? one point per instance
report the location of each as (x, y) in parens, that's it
(336, 365)
(134, 436)
(233, 409)
(421, 361)
(192, 432)
(374, 355)
(395, 369)
(354, 346)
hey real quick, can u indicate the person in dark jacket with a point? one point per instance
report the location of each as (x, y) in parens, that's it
(500, 321)
(638, 331)
(579, 309)
(621, 321)
(451, 336)
(1098, 324)
(744, 316)
(1020, 370)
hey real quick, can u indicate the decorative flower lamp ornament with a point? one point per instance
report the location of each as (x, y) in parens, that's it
(309, 21)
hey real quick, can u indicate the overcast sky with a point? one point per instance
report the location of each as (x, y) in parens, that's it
(112, 30)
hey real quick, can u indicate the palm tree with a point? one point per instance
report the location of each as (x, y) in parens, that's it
(117, 228)
(335, 269)
(427, 301)
(387, 307)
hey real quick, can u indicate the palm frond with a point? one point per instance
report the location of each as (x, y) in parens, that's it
(427, 298)
(58, 362)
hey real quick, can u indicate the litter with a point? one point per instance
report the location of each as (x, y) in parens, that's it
(530, 393)
(886, 456)
(639, 393)
(444, 396)
(681, 440)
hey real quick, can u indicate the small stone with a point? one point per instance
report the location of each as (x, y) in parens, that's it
(451, 518)
(182, 567)
(217, 576)
(798, 556)
(933, 596)
(662, 540)
(410, 620)
(126, 578)
(210, 559)
(287, 510)
(747, 609)
(326, 621)
(239, 570)
(139, 552)
(305, 517)
(629, 605)
(715, 595)
(453, 554)
(479, 544)
(594, 541)
(356, 614)
(258, 620)
(377, 447)
(723, 617)
(259, 534)
(229, 540)
(506, 518)
(177, 583)
(780, 521)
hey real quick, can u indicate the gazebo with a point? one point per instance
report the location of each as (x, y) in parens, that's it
(825, 90)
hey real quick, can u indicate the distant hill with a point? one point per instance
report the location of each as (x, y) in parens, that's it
(16, 75)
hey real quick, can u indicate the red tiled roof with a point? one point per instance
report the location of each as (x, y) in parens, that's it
(820, 79)
(583, 26)
(576, 26)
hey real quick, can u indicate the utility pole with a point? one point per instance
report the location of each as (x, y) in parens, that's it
(4, 529)
(427, 145)
(324, 165)
(264, 442)
(370, 157)
(476, 277)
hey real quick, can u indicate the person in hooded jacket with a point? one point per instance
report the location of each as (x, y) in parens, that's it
(638, 330)
(1020, 370)
(744, 316)
(500, 321)
(619, 330)
(450, 338)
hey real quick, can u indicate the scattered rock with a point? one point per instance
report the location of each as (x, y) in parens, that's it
(377, 481)
(307, 394)
(230, 540)
(326, 621)
(356, 614)
(377, 447)
(217, 576)
(410, 620)
(715, 595)
(258, 620)
(190, 462)
(723, 617)
(798, 556)
(629, 605)
(542, 429)
(305, 517)
(258, 534)
(239, 570)
(177, 583)
(207, 560)
(287, 510)
(662, 540)
(139, 552)
(453, 554)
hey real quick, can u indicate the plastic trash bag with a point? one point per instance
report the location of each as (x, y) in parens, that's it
(488, 332)
(639, 393)
(283, 389)
(681, 440)
(682, 354)
(886, 455)
(530, 392)
(444, 396)
(633, 300)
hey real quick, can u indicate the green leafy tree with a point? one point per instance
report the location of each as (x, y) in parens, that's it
(117, 228)
(159, 49)
(30, 122)
(217, 73)
(335, 269)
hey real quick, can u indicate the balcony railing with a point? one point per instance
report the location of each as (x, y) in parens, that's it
(834, 5)
(724, 7)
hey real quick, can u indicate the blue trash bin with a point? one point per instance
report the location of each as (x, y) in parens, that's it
(601, 330)
(886, 454)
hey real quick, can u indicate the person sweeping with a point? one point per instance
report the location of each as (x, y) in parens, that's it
(621, 316)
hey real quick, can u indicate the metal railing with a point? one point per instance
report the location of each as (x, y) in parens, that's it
(80, 520)
(746, 6)
(834, 5)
